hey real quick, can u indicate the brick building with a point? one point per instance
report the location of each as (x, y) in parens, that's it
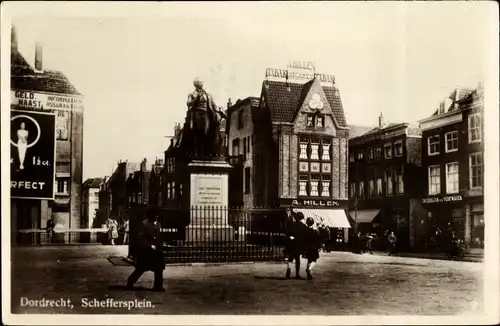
(452, 160)
(35, 89)
(292, 142)
(385, 180)
(155, 184)
(90, 201)
(137, 186)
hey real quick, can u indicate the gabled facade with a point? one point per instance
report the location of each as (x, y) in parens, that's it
(452, 160)
(385, 180)
(297, 156)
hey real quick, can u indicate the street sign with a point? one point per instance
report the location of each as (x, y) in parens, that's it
(32, 154)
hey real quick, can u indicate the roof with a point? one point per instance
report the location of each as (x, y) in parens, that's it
(23, 76)
(284, 99)
(93, 183)
(356, 131)
(382, 128)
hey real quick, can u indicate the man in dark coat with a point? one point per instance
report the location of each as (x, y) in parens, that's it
(149, 253)
(296, 231)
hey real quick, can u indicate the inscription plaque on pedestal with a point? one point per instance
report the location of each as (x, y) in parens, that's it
(209, 199)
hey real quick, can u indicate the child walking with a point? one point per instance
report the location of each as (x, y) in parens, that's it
(313, 244)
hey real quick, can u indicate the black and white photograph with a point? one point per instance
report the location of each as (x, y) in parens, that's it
(245, 163)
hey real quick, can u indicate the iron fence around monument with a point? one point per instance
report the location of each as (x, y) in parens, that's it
(221, 234)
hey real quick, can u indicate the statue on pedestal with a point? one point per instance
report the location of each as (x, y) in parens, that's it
(202, 132)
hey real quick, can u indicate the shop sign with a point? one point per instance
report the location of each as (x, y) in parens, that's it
(300, 71)
(312, 203)
(32, 155)
(444, 199)
(46, 101)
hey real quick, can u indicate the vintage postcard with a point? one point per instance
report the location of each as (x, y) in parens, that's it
(212, 163)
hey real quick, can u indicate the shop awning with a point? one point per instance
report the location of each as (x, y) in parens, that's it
(364, 215)
(334, 218)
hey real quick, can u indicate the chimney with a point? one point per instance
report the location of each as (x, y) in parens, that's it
(143, 165)
(229, 103)
(380, 120)
(441, 107)
(13, 39)
(38, 57)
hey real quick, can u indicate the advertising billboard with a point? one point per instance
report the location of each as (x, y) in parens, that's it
(32, 154)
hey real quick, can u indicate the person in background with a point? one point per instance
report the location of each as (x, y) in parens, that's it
(296, 231)
(313, 243)
(112, 231)
(392, 242)
(358, 243)
(50, 229)
(368, 244)
(126, 229)
(149, 253)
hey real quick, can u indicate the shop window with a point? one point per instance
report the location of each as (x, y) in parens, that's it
(476, 170)
(361, 193)
(451, 141)
(433, 145)
(388, 150)
(452, 178)
(434, 180)
(398, 148)
(474, 128)
(388, 182)
(370, 153)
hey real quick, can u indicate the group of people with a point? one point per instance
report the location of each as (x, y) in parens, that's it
(112, 226)
(365, 242)
(302, 240)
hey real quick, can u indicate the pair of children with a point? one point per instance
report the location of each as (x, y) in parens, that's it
(302, 239)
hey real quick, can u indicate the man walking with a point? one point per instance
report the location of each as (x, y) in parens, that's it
(149, 253)
(296, 231)
(392, 241)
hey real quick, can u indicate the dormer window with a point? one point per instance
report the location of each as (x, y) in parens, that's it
(320, 121)
(315, 120)
(310, 120)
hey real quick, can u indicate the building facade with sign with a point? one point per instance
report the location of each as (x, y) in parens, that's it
(385, 184)
(452, 160)
(35, 92)
(292, 144)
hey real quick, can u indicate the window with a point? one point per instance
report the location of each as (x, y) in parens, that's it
(434, 180)
(245, 148)
(62, 186)
(474, 128)
(325, 150)
(361, 189)
(173, 190)
(62, 125)
(360, 155)
(303, 185)
(372, 187)
(325, 185)
(451, 141)
(314, 185)
(452, 178)
(247, 180)
(320, 121)
(388, 150)
(168, 190)
(236, 146)
(351, 157)
(353, 189)
(476, 170)
(388, 182)
(240, 119)
(370, 153)
(314, 149)
(400, 181)
(433, 145)
(379, 187)
(398, 148)
(310, 120)
(378, 153)
(303, 149)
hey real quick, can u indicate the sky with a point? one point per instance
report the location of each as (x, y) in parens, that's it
(135, 64)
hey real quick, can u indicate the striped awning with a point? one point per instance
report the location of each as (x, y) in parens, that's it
(334, 218)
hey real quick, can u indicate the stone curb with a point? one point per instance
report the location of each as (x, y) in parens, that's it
(130, 261)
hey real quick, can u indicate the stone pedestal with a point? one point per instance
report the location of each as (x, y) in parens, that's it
(208, 201)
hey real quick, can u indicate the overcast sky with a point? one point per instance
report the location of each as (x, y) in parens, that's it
(135, 63)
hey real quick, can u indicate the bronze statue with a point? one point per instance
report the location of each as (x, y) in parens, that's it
(203, 123)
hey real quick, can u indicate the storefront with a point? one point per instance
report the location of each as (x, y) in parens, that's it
(476, 223)
(444, 212)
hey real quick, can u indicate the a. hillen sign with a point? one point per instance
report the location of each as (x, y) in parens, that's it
(315, 203)
(32, 154)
